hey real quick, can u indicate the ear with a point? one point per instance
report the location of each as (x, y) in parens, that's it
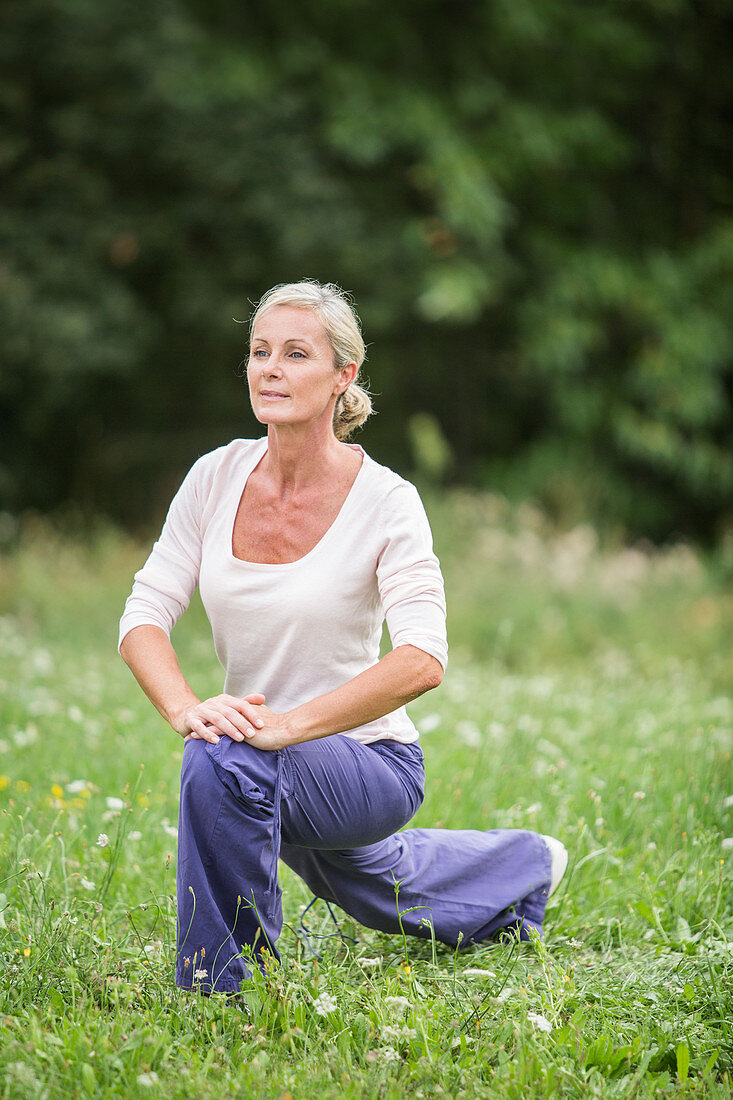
(344, 377)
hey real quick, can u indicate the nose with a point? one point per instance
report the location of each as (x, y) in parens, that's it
(273, 366)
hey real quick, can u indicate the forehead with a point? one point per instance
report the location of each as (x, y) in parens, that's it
(282, 323)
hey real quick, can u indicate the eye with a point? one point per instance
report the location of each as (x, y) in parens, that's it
(259, 353)
(298, 355)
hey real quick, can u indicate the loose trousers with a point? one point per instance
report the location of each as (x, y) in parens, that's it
(330, 809)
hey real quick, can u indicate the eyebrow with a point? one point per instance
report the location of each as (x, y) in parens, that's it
(292, 340)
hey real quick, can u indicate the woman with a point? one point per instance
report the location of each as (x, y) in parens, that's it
(301, 546)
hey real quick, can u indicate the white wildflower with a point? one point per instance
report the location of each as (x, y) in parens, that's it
(73, 920)
(43, 662)
(469, 733)
(102, 840)
(87, 883)
(475, 972)
(728, 802)
(75, 714)
(639, 795)
(727, 844)
(368, 964)
(386, 1055)
(77, 786)
(135, 835)
(115, 804)
(429, 723)
(324, 1003)
(540, 1023)
(389, 1032)
(199, 975)
(148, 1079)
(401, 1004)
(26, 737)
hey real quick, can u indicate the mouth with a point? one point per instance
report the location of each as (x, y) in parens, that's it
(273, 395)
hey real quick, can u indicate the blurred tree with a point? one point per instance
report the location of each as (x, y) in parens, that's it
(528, 198)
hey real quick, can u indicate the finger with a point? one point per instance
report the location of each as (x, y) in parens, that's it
(203, 732)
(229, 722)
(223, 720)
(249, 710)
(236, 700)
(243, 718)
(245, 707)
(241, 722)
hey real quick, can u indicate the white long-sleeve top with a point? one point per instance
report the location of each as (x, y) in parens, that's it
(297, 630)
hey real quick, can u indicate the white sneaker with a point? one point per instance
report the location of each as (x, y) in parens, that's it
(559, 856)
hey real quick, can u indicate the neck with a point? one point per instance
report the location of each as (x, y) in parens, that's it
(299, 456)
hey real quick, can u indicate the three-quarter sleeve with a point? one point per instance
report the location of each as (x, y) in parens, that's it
(408, 575)
(165, 584)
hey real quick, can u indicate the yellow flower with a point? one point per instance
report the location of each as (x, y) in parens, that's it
(56, 791)
(4, 782)
(27, 952)
(22, 785)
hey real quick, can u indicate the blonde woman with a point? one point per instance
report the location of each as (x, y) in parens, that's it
(301, 546)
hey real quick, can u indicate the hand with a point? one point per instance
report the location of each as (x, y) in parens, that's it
(272, 732)
(219, 716)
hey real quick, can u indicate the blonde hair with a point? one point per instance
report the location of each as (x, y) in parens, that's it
(333, 308)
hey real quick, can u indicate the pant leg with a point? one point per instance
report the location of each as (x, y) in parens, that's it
(228, 840)
(467, 883)
(338, 805)
(232, 799)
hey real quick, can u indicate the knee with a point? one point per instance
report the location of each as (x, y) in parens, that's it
(235, 770)
(197, 774)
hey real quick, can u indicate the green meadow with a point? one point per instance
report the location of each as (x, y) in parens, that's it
(588, 696)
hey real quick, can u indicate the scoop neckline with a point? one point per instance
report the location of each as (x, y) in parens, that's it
(265, 565)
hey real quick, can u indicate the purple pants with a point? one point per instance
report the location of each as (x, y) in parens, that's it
(331, 809)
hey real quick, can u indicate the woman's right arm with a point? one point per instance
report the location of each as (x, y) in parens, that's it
(148, 653)
(160, 595)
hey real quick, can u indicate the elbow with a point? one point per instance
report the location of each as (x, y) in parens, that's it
(428, 671)
(433, 675)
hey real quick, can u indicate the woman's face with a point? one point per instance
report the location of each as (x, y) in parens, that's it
(290, 371)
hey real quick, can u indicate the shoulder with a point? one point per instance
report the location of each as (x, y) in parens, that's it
(393, 494)
(210, 474)
(387, 483)
(237, 452)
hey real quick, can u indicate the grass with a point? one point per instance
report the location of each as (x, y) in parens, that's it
(588, 696)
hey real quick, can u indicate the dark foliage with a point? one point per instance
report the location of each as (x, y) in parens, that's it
(529, 199)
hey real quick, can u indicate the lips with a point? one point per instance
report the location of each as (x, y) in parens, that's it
(273, 394)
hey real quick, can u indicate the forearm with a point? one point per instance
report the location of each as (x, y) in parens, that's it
(148, 653)
(402, 675)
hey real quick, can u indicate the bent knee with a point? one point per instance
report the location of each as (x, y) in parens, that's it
(197, 774)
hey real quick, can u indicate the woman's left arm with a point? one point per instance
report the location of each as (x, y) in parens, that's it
(411, 592)
(401, 675)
